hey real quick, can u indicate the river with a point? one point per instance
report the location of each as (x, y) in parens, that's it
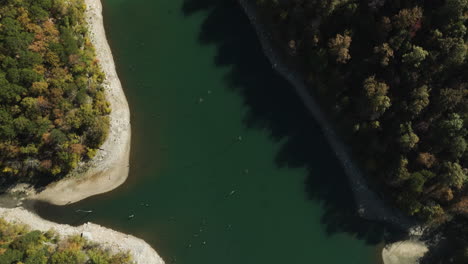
(227, 167)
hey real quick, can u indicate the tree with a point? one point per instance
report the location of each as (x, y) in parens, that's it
(457, 147)
(57, 137)
(453, 50)
(416, 182)
(455, 8)
(415, 57)
(98, 257)
(451, 99)
(39, 87)
(385, 52)
(408, 139)
(376, 96)
(329, 7)
(452, 126)
(19, 245)
(339, 47)
(67, 257)
(426, 159)
(420, 100)
(453, 175)
(407, 18)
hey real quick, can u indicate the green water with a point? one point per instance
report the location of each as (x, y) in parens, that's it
(226, 166)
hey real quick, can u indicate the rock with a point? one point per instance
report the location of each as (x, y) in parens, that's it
(404, 252)
(87, 235)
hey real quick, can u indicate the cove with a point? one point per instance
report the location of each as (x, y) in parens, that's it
(227, 166)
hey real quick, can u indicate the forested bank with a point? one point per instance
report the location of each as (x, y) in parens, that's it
(393, 77)
(53, 110)
(19, 244)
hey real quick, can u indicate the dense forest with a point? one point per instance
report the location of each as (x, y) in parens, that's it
(18, 244)
(53, 110)
(394, 77)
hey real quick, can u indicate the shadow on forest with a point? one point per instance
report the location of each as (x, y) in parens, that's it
(274, 107)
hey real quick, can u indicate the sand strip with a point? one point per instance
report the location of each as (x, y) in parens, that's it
(110, 167)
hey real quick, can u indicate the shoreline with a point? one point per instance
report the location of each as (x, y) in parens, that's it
(141, 252)
(369, 205)
(105, 172)
(110, 167)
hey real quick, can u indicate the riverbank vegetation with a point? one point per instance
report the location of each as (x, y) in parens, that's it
(53, 111)
(393, 75)
(18, 244)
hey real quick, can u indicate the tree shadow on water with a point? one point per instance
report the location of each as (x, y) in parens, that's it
(274, 106)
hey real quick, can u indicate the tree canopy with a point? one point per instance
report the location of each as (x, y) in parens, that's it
(394, 77)
(53, 110)
(19, 244)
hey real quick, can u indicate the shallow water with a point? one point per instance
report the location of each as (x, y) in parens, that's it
(226, 165)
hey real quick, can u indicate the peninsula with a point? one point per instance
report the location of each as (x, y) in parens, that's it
(109, 168)
(65, 119)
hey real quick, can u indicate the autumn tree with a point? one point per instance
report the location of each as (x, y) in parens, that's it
(377, 101)
(339, 47)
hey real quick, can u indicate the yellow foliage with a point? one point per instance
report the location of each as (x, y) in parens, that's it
(56, 170)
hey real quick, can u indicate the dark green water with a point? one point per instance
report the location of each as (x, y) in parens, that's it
(197, 82)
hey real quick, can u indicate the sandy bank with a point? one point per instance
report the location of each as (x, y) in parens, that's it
(110, 167)
(404, 252)
(141, 252)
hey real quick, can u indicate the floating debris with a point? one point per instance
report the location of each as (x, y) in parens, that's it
(239, 138)
(209, 92)
(232, 192)
(84, 211)
(131, 216)
(204, 242)
(200, 100)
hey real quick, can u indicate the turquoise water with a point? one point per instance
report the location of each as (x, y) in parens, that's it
(226, 165)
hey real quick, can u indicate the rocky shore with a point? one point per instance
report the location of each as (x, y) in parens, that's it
(115, 241)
